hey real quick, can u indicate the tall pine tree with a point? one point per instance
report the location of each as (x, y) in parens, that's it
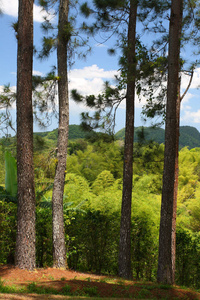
(125, 227)
(59, 251)
(167, 236)
(120, 18)
(25, 243)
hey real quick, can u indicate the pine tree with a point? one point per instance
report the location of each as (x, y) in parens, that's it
(125, 227)
(59, 250)
(25, 243)
(167, 236)
(63, 42)
(113, 15)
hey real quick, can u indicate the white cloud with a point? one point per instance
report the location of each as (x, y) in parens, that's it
(37, 73)
(11, 8)
(92, 72)
(38, 14)
(187, 107)
(88, 81)
(191, 116)
(86, 86)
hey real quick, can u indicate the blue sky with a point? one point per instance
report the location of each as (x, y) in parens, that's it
(87, 76)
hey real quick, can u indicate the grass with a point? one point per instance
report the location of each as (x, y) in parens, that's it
(5, 289)
(62, 278)
(33, 288)
(87, 292)
(145, 290)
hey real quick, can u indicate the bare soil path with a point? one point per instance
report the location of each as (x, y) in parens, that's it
(106, 287)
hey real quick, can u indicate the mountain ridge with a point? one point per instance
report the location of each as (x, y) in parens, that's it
(189, 136)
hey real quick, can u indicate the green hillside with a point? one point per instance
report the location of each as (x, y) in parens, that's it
(189, 136)
(75, 132)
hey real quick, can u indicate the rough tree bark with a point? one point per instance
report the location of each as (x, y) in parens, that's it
(25, 242)
(125, 227)
(59, 249)
(167, 236)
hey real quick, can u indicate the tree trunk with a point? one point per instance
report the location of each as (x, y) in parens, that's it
(59, 250)
(167, 237)
(125, 227)
(25, 243)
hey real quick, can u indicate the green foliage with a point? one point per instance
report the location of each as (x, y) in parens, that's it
(73, 147)
(145, 246)
(187, 258)
(34, 288)
(91, 163)
(11, 174)
(44, 244)
(89, 291)
(103, 182)
(66, 290)
(8, 212)
(45, 166)
(194, 212)
(96, 238)
(6, 289)
(92, 207)
(76, 190)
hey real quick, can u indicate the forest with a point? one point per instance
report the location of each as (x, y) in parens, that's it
(92, 206)
(124, 204)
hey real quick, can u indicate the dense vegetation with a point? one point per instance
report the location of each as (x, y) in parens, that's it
(92, 204)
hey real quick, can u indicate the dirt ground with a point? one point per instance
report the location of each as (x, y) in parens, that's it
(106, 287)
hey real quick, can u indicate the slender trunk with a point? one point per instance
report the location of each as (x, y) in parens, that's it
(176, 171)
(125, 227)
(59, 250)
(25, 243)
(167, 237)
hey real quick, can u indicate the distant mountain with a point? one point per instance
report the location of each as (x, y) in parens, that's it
(189, 136)
(75, 132)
